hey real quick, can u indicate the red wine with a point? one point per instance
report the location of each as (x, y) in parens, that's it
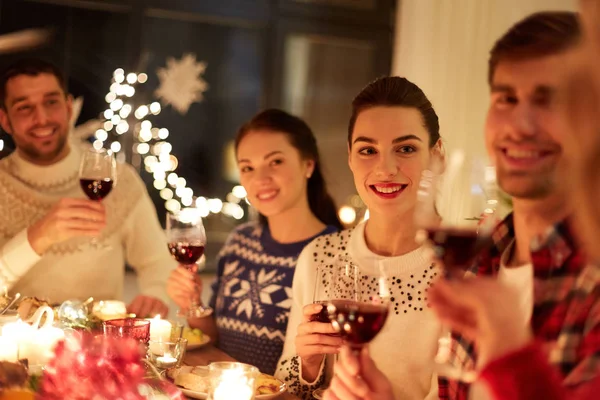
(358, 323)
(96, 189)
(323, 315)
(186, 253)
(457, 248)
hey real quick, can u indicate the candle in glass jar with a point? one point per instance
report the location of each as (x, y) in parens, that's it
(166, 361)
(233, 384)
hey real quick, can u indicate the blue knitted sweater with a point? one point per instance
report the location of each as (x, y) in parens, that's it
(252, 294)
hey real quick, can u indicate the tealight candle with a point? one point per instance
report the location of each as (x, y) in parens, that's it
(166, 361)
(232, 381)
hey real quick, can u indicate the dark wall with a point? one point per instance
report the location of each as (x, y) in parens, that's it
(242, 42)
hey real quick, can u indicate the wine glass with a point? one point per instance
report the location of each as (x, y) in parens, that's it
(355, 312)
(97, 177)
(469, 203)
(186, 240)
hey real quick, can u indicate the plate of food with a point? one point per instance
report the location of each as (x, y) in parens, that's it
(195, 337)
(194, 383)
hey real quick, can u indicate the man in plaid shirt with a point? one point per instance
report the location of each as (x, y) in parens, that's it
(562, 302)
(535, 274)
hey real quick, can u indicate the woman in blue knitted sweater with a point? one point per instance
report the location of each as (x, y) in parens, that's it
(280, 169)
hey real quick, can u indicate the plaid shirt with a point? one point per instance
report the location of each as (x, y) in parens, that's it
(566, 313)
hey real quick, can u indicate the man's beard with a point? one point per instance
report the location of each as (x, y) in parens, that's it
(33, 153)
(538, 187)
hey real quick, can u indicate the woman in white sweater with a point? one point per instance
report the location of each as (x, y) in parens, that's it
(392, 134)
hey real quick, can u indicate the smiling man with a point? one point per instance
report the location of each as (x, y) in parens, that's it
(553, 288)
(46, 223)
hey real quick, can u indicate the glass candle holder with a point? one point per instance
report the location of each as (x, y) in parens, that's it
(165, 355)
(232, 380)
(134, 328)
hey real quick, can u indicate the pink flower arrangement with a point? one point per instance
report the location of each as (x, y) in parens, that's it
(91, 367)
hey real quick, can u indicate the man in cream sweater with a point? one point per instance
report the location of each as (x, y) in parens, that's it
(46, 222)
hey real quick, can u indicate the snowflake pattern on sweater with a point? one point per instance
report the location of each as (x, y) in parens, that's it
(252, 294)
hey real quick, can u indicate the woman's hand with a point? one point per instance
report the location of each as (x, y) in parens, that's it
(183, 286)
(314, 340)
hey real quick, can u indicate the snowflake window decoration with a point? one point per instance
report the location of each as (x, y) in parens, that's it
(180, 82)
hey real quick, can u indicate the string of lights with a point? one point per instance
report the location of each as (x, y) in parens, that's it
(151, 143)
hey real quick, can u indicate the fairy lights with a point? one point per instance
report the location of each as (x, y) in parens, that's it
(150, 142)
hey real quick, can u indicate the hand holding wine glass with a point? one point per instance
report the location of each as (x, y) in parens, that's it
(97, 176)
(316, 336)
(470, 196)
(186, 240)
(356, 313)
(357, 376)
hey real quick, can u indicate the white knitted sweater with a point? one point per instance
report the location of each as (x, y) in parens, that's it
(72, 269)
(405, 347)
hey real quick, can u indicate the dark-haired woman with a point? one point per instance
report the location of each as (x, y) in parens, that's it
(393, 133)
(280, 169)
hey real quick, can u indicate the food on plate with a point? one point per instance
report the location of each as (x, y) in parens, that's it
(193, 336)
(192, 378)
(267, 384)
(197, 379)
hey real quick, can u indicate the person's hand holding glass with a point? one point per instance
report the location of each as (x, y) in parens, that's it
(186, 240)
(97, 177)
(355, 313)
(467, 187)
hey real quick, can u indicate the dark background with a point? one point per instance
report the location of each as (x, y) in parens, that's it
(245, 44)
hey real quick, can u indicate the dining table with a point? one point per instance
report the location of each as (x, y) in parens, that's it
(209, 353)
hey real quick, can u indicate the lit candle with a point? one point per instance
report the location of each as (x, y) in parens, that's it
(20, 333)
(9, 350)
(166, 361)
(160, 331)
(234, 384)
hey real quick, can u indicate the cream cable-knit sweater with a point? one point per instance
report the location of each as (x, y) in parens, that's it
(72, 269)
(405, 347)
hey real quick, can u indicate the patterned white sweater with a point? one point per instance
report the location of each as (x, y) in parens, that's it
(405, 347)
(73, 269)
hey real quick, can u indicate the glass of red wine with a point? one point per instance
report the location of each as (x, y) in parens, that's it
(97, 177)
(186, 240)
(456, 212)
(356, 312)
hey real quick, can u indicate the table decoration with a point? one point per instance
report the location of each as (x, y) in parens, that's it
(34, 342)
(101, 367)
(134, 328)
(169, 354)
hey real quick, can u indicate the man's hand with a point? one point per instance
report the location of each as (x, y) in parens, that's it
(356, 377)
(69, 218)
(484, 310)
(146, 306)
